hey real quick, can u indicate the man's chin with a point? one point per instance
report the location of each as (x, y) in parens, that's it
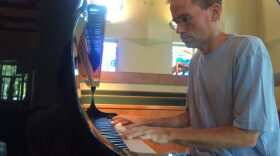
(191, 45)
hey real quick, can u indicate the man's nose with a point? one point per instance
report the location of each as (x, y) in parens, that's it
(179, 29)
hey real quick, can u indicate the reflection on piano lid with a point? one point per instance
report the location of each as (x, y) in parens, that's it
(88, 43)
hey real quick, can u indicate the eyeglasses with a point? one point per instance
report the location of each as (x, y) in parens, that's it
(182, 21)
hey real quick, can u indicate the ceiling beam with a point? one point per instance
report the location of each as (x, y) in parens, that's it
(32, 2)
(2, 28)
(27, 6)
(18, 19)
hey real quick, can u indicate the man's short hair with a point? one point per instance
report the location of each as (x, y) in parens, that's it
(205, 3)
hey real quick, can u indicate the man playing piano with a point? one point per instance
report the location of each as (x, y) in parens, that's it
(230, 108)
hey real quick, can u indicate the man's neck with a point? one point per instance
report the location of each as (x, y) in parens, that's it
(215, 41)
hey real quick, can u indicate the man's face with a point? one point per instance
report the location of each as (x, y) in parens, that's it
(193, 22)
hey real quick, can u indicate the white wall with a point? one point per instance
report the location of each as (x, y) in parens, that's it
(144, 34)
(145, 39)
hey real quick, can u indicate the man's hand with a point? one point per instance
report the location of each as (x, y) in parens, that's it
(130, 121)
(122, 120)
(156, 134)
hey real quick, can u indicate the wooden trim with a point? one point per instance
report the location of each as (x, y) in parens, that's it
(137, 98)
(136, 107)
(143, 78)
(277, 79)
(133, 93)
(133, 97)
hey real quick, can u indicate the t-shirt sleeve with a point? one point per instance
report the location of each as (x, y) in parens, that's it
(254, 102)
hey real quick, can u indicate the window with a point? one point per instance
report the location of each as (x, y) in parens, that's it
(181, 56)
(114, 8)
(109, 56)
(12, 85)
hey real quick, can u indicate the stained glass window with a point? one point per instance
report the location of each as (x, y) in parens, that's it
(181, 56)
(109, 56)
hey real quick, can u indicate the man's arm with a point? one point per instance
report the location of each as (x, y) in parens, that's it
(223, 137)
(177, 121)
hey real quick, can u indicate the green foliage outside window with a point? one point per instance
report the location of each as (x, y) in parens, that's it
(12, 84)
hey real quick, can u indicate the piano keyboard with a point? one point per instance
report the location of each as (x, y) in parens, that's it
(106, 128)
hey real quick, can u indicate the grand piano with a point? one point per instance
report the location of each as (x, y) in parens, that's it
(71, 35)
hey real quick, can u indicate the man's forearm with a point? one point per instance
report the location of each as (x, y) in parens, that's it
(224, 137)
(178, 121)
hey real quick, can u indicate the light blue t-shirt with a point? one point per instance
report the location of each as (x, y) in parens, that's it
(234, 85)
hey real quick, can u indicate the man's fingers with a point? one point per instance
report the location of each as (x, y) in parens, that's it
(146, 137)
(122, 120)
(117, 118)
(134, 135)
(126, 122)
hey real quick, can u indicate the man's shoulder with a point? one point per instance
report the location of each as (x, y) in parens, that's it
(249, 45)
(247, 39)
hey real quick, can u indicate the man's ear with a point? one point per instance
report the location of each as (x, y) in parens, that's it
(216, 10)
